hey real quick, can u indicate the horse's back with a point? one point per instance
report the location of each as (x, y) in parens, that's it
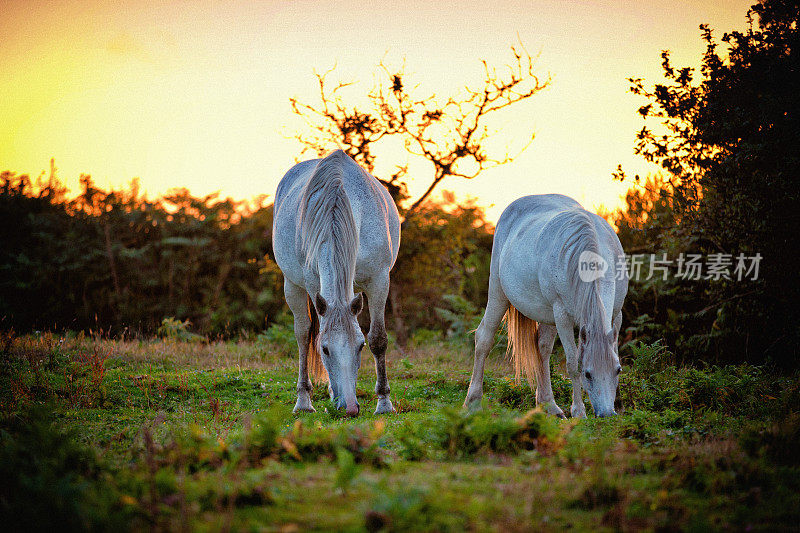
(291, 185)
(527, 217)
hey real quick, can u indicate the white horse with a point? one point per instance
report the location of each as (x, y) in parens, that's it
(558, 265)
(335, 227)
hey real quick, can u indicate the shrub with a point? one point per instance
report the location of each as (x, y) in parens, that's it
(280, 333)
(174, 329)
(425, 337)
(52, 483)
(513, 395)
(456, 433)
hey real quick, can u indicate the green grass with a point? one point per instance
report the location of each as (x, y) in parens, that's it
(164, 435)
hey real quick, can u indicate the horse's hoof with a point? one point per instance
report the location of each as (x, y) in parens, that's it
(303, 407)
(472, 404)
(552, 408)
(384, 407)
(578, 412)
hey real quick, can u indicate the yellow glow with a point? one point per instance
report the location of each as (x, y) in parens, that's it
(197, 95)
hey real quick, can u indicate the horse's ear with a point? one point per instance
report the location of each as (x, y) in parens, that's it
(320, 304)
(357, 304)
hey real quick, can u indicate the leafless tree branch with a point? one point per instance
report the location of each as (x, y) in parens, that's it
(450, 134)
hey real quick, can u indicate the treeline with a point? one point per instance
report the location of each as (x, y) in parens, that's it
(114, 261)
(111, 260)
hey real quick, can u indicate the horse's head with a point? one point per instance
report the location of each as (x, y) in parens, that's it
(339, 343)
(600, 369)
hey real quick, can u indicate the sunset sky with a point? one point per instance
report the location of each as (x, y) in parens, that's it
(196, 94)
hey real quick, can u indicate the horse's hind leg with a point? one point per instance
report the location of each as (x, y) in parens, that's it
(544, 388)
(296, 299)
(377, 292)
(496, 307)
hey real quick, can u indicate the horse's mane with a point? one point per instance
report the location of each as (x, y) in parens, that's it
(578, 235)
(326, 216)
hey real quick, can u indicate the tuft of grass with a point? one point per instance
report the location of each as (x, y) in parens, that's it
(455, 433)
(415, 509)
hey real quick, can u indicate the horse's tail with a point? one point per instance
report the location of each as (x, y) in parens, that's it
(313, 360)
(523, 345)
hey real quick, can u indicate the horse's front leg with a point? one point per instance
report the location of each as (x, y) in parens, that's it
(496, 307)
(566, 332)
(544, 387)
(296, 299)
(377, 292)
(616, 323)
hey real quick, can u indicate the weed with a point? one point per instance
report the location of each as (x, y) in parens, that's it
(173, 329)
(346, 469)
(411, 510)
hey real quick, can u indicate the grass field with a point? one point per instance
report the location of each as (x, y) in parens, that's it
(181, 435)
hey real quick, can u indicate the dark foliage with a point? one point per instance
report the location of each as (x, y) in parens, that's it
(730, 146)
(51, 483)
(111, 261)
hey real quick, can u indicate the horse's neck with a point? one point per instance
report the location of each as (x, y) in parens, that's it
(334, 286)
(596, 307)
(607, 288)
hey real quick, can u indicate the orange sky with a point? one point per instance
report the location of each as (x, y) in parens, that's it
(196, 94)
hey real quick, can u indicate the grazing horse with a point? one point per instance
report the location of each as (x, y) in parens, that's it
(335, 227)
(555, 266)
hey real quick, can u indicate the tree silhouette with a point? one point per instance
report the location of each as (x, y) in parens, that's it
(449, 133)
(730, 143)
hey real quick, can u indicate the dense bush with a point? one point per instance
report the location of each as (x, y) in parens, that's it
(728, 140)
(51, 483)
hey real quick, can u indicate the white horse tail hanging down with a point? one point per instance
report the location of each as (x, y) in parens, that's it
(335, 230)
(555, 267)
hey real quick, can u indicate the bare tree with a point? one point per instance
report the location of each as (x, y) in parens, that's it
(450, 133)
